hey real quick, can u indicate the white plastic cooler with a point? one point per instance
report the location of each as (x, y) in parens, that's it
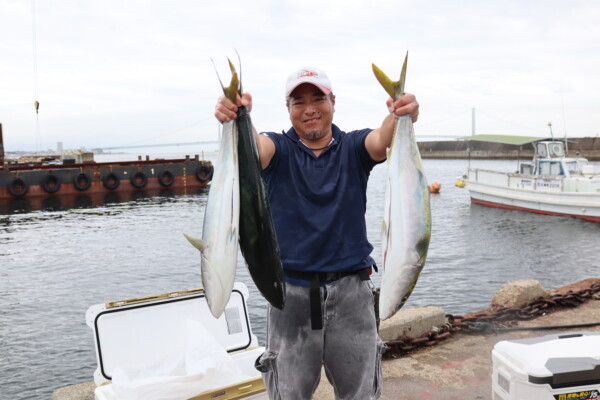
(554, 367)
(133, 332)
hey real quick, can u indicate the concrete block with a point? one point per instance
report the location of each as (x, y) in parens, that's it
(411, 322)
(518, 293)
(82, 391)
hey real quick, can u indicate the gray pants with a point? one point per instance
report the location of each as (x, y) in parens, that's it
(348, 345)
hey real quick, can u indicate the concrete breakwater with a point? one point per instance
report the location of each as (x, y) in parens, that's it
(588, 147)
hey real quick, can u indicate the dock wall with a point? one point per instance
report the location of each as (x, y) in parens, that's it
(587, 147)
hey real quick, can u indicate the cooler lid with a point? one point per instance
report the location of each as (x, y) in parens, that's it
(135, 331)
(570, 371)
(560, 360)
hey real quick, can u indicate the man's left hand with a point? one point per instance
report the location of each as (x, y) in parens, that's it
(406, 104)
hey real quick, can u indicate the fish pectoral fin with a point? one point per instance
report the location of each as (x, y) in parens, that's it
(384, 228)
(422, 247)
(233, 233)
(197, 243)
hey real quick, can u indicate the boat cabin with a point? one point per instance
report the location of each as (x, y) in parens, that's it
(550, 183)
(549, 159)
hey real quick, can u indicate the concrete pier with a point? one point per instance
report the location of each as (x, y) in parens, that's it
(460, 367)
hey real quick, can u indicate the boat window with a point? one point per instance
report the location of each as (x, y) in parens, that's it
(555, 168)
(556, 149)
(527, 168)
(573, 168)
(541, 150)
(581, 162)
(550, 168)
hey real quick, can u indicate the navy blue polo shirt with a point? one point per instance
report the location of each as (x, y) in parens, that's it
(319, 203)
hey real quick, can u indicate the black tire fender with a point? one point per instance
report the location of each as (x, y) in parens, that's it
(82, 181)
(204, 173)
(139, 180)
(18, 187)
(166, 178)
(111, 181)
(51, 183)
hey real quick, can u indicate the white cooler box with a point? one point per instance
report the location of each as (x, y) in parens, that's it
(133, 332)
(554, 367)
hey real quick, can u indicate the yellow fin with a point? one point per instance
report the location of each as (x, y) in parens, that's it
(394, 88)
(197, 243)
(234, 87)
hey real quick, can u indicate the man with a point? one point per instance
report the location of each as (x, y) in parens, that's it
(316, 176)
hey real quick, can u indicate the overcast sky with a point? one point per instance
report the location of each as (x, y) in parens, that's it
(124, 72)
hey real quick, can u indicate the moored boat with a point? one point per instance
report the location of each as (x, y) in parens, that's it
(551, 183)
(44, 180)
(82, 175)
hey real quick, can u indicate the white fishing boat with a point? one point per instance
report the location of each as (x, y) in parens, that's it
(551, 183)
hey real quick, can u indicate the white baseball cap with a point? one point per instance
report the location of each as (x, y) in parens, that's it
(310, 75)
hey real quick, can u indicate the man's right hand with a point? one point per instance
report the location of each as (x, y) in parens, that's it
(226, 110)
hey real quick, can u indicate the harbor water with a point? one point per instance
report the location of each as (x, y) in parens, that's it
(56, 262)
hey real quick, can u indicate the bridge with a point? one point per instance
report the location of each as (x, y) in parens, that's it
(137, 146)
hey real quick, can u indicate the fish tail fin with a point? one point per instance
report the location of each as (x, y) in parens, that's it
(233, 89)
(197, 243)
(233, 69)
(394, 88)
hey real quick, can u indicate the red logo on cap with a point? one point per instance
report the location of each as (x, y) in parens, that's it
(308, 73)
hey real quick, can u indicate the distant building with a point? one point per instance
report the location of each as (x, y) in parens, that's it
(78, 157)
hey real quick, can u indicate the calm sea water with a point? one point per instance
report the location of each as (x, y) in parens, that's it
(56, 262)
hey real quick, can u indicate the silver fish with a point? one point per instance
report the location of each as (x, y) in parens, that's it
(219, 243)
(406, 229)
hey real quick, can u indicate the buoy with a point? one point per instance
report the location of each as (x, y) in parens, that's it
(459, 183)
(435, 187)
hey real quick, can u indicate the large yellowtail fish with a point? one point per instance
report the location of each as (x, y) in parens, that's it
(406, 226)
(258, 240)
(219, 243)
